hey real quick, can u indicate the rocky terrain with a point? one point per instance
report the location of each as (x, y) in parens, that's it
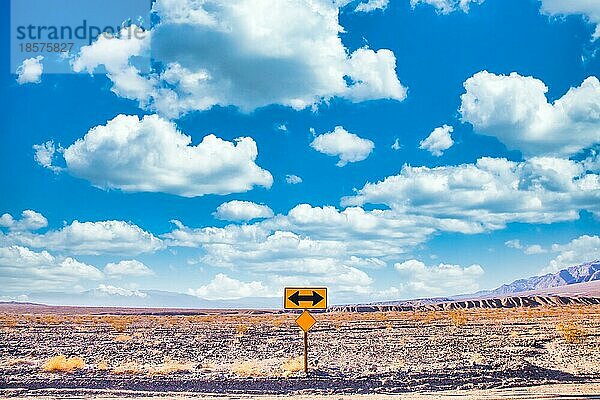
(487, 345)
(91, 352)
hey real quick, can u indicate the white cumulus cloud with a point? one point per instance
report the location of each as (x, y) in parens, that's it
(447, 6)
(223, 287)
(314, 245)
(371, 5)
(109, 290)
(589, 8)
(237, 210)
(22, 269)
(44, 155)
(151, 155)
(30, 221)
(293, 179)
(373, 75)
(492, 192)
(30, 71)
(438, 141)
(438, 280)
(514, 244)
(115, 237)
(245, 53)
(534, 249)
(127, 268)
(114, 54)
(515, 109)
(580, 250)
(343, 144)
(529, 250)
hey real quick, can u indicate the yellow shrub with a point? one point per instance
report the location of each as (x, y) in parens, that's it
(102, 366)
(278, 322)
(63, 364)
(241, 329)
(9, 321)
(293, 365)
(51, 319)
(427, 317)
(458, 318)
(381, 316)
(119, 323)
(247, 369)
(571, 332)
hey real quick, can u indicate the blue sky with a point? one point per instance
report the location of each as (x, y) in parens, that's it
(395, 74)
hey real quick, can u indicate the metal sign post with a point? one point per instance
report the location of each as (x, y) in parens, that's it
(305, 352)
(305, 298)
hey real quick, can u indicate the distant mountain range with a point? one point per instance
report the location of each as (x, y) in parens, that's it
(582, 273)
(586, 272)
(147, 298)
(577, 274)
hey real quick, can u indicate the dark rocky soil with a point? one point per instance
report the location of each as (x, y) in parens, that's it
(349, 352)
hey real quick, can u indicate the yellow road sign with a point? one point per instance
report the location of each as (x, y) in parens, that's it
(305, 321)
(305, 297)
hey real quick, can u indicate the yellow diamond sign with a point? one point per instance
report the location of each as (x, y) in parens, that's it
(305, 321)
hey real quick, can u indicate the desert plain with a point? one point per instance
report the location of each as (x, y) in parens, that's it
(517, 352)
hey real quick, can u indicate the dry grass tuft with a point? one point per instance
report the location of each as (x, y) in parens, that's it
(338, 325)
(130, 367)
(476, 359)
(241, 330)
(247, 369)
(9, 321)
(571, 333)
(172, 366)
(397, 365)
(278, 322)
(123, 338)
(427, 317)
(458, 318)
(51, 319)
(63, 364)
(119, 323)
(381, 316)
(292, 365)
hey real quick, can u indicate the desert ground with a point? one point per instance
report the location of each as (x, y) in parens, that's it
(519, 352)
